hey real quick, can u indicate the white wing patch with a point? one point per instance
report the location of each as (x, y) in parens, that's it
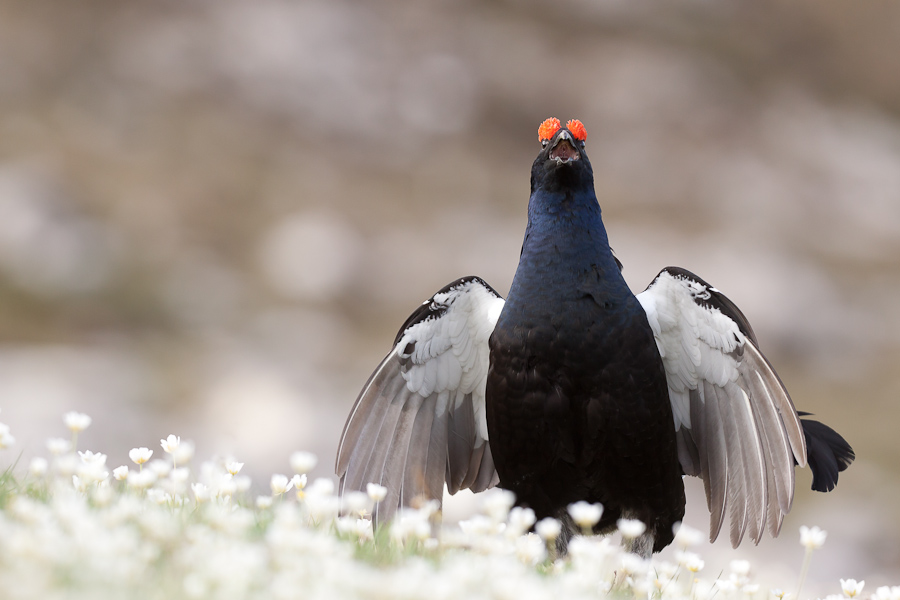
(420, 420)
(450, 355)
(736, 426)
(695, 342)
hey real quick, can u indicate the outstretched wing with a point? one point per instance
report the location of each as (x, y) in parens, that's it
(419, 422)
(736, 426)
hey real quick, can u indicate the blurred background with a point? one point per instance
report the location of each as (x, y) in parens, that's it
(215, 215)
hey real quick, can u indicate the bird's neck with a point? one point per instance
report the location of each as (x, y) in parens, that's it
(564, 242)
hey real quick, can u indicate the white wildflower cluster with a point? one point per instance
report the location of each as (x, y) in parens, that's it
(71, 527)
(886, 593)
(6, 439)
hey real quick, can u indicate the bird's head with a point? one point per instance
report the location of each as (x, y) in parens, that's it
(562, 162)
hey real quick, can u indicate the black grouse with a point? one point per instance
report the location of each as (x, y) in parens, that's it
(576, 389)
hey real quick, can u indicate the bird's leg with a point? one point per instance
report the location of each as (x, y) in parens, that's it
(641, 545)
(569, 530)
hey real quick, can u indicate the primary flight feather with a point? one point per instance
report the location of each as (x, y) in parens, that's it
(573, 388)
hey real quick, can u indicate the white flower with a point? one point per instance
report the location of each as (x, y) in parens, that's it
(667, 569)
(661, 581)
(780, 594)
(303, 462)
(887, 593)
(585, 515)
(694, 564)
(431, 544)
(160, 467)
(592, 552)
(690, 561)
(630, 528)
(180, 475)
(520, 520)
(242, 483)
(92, 467)
(102, 494)
(6, 439)
(76, 421)
(497, 503)
(120, 473)
(201, 492)
(632, 564)
(299, 482)
(376, 492)
(812, 537)
(356, 502)
(184, 453)
(280, 484)
(476, 527)
(740, 567)
(234, 467)
(58, 446)
(410, 523)
(80, 484)
(140, 455)
(530, 549)
(548, 528)
(226, 486)
(263, 501)
(851, 587)
(640, 587)
(321, 507)
(321, 486)
(429, 507)
(141, 479)
(724, 585)
(159, 496)
(686, 536)
(66, 464)
(344, 525)
(363, 529)
(93, 459)
(38, 466)
(171, 443)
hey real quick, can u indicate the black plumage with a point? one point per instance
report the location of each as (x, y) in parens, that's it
(577, 402)
(827, 453)
(573, 388)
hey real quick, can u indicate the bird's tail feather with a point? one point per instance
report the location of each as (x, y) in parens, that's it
(827, 453)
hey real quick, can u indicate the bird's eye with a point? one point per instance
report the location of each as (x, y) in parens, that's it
(544, 143)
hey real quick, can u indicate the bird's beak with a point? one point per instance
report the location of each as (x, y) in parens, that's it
(563, 149)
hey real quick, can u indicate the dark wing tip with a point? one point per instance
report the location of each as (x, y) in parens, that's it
(827, 452)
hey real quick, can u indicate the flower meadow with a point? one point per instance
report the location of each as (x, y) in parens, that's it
(167, 527)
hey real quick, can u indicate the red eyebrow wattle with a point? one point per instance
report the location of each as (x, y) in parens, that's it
(548, 128)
